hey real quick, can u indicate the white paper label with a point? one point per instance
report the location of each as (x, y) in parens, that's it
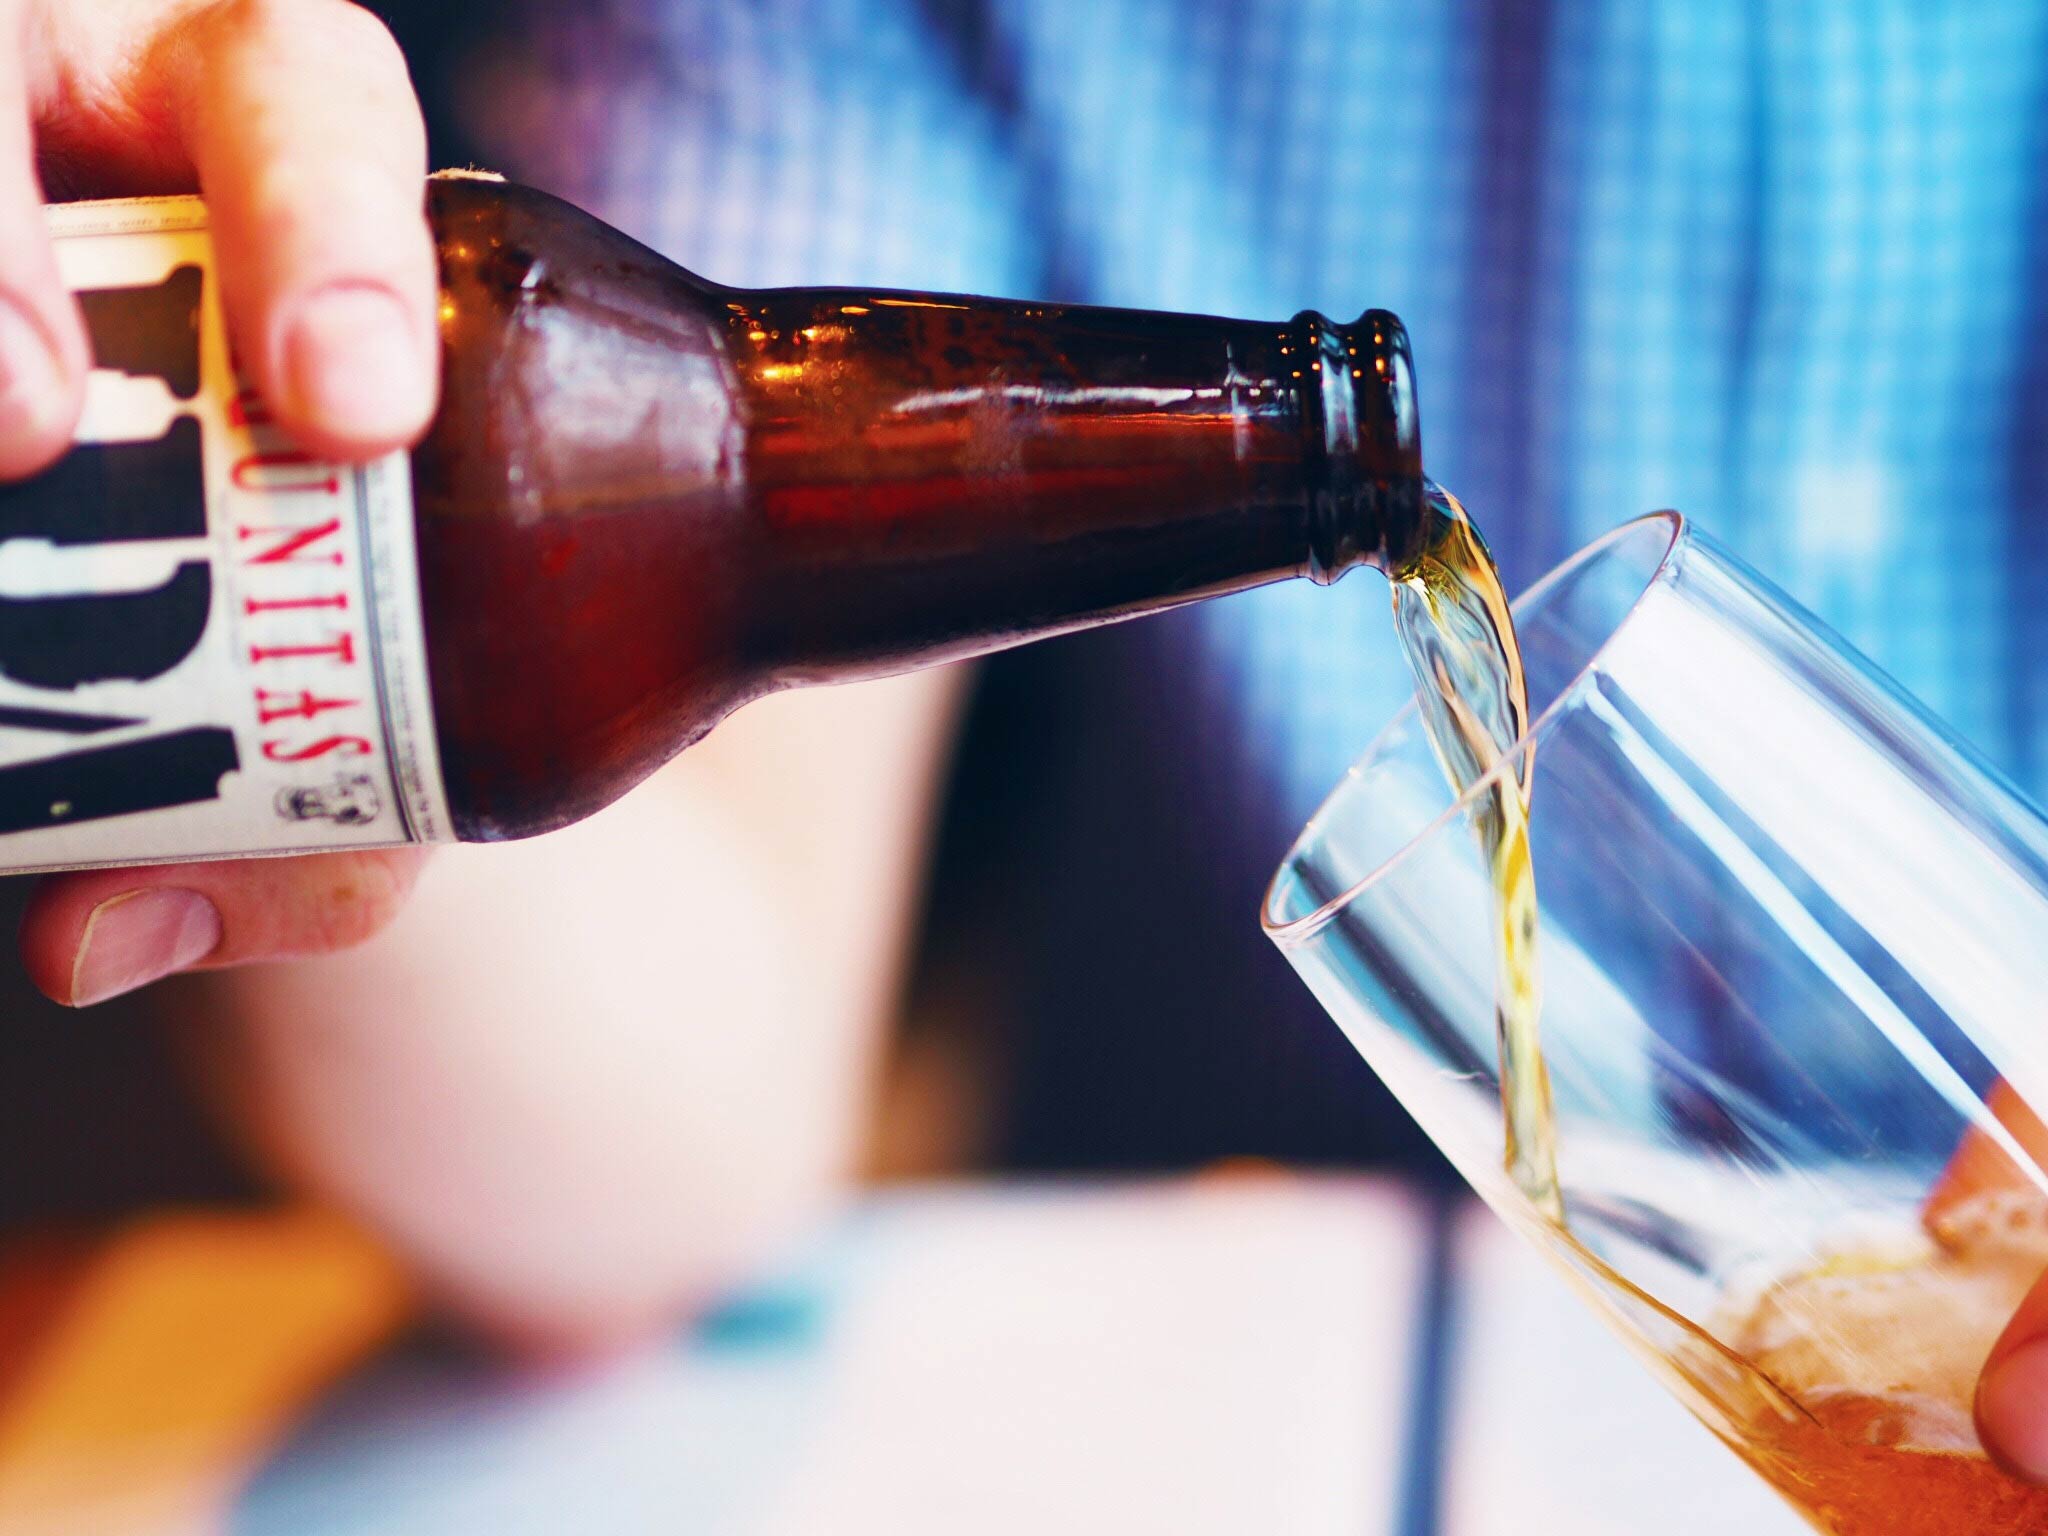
(210, 641)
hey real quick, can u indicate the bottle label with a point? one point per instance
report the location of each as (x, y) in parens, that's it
(210, 641)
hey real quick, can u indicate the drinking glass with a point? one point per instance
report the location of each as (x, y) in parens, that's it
(1794, 959)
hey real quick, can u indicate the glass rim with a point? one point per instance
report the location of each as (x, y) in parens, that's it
(1295, 930)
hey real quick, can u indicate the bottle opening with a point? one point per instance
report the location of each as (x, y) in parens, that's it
(1365, 449)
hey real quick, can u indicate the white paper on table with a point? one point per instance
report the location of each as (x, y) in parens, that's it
(1208, 1358)
(1554, 1426)
(1211, 1358)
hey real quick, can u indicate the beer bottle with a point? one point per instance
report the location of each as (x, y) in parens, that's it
(646, 499)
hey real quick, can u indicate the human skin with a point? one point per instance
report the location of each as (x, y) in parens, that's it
(578, 1085)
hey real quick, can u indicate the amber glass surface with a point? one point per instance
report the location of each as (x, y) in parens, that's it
(649, 498)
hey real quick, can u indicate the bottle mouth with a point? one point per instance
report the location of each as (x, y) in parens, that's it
(1365, 444)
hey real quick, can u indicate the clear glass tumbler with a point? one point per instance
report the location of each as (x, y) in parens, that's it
(1794, 951)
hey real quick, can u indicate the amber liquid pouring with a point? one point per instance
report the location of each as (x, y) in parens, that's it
(1452, 617)
(1808, 1382)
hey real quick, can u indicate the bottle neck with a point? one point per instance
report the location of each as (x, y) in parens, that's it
(934, 477)
(1364, 445)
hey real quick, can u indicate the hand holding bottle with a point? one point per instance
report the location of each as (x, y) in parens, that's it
(297, 120)
(686, 496)
(670, 1010)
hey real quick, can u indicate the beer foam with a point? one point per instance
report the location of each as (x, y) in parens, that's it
(1890, 1336)
(2001, 1226)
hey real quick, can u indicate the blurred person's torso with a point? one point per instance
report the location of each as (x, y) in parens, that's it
(1779, 267)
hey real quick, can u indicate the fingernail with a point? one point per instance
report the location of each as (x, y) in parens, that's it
(31, 379)
(352, 365)
(135, 938)
(2012, 1410)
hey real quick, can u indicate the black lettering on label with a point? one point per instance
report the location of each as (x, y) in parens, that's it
(102, 493)
(149, 332)
(61, 642)
(154, 774)
(99, 493)
(71, 722)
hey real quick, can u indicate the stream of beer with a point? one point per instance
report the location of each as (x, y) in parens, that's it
(1452, 617)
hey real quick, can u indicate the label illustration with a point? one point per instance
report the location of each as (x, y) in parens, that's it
(210, 641)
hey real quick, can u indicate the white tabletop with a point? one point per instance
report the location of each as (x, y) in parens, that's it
(1229, 1356)
(1555, 1427)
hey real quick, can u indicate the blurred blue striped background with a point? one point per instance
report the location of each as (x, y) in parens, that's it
(1781, 265)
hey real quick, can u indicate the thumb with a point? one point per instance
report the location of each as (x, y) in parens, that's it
(93, 934)
(2012, 1396)
(2012, 1392)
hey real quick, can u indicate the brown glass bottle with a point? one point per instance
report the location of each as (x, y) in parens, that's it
(649, 498)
